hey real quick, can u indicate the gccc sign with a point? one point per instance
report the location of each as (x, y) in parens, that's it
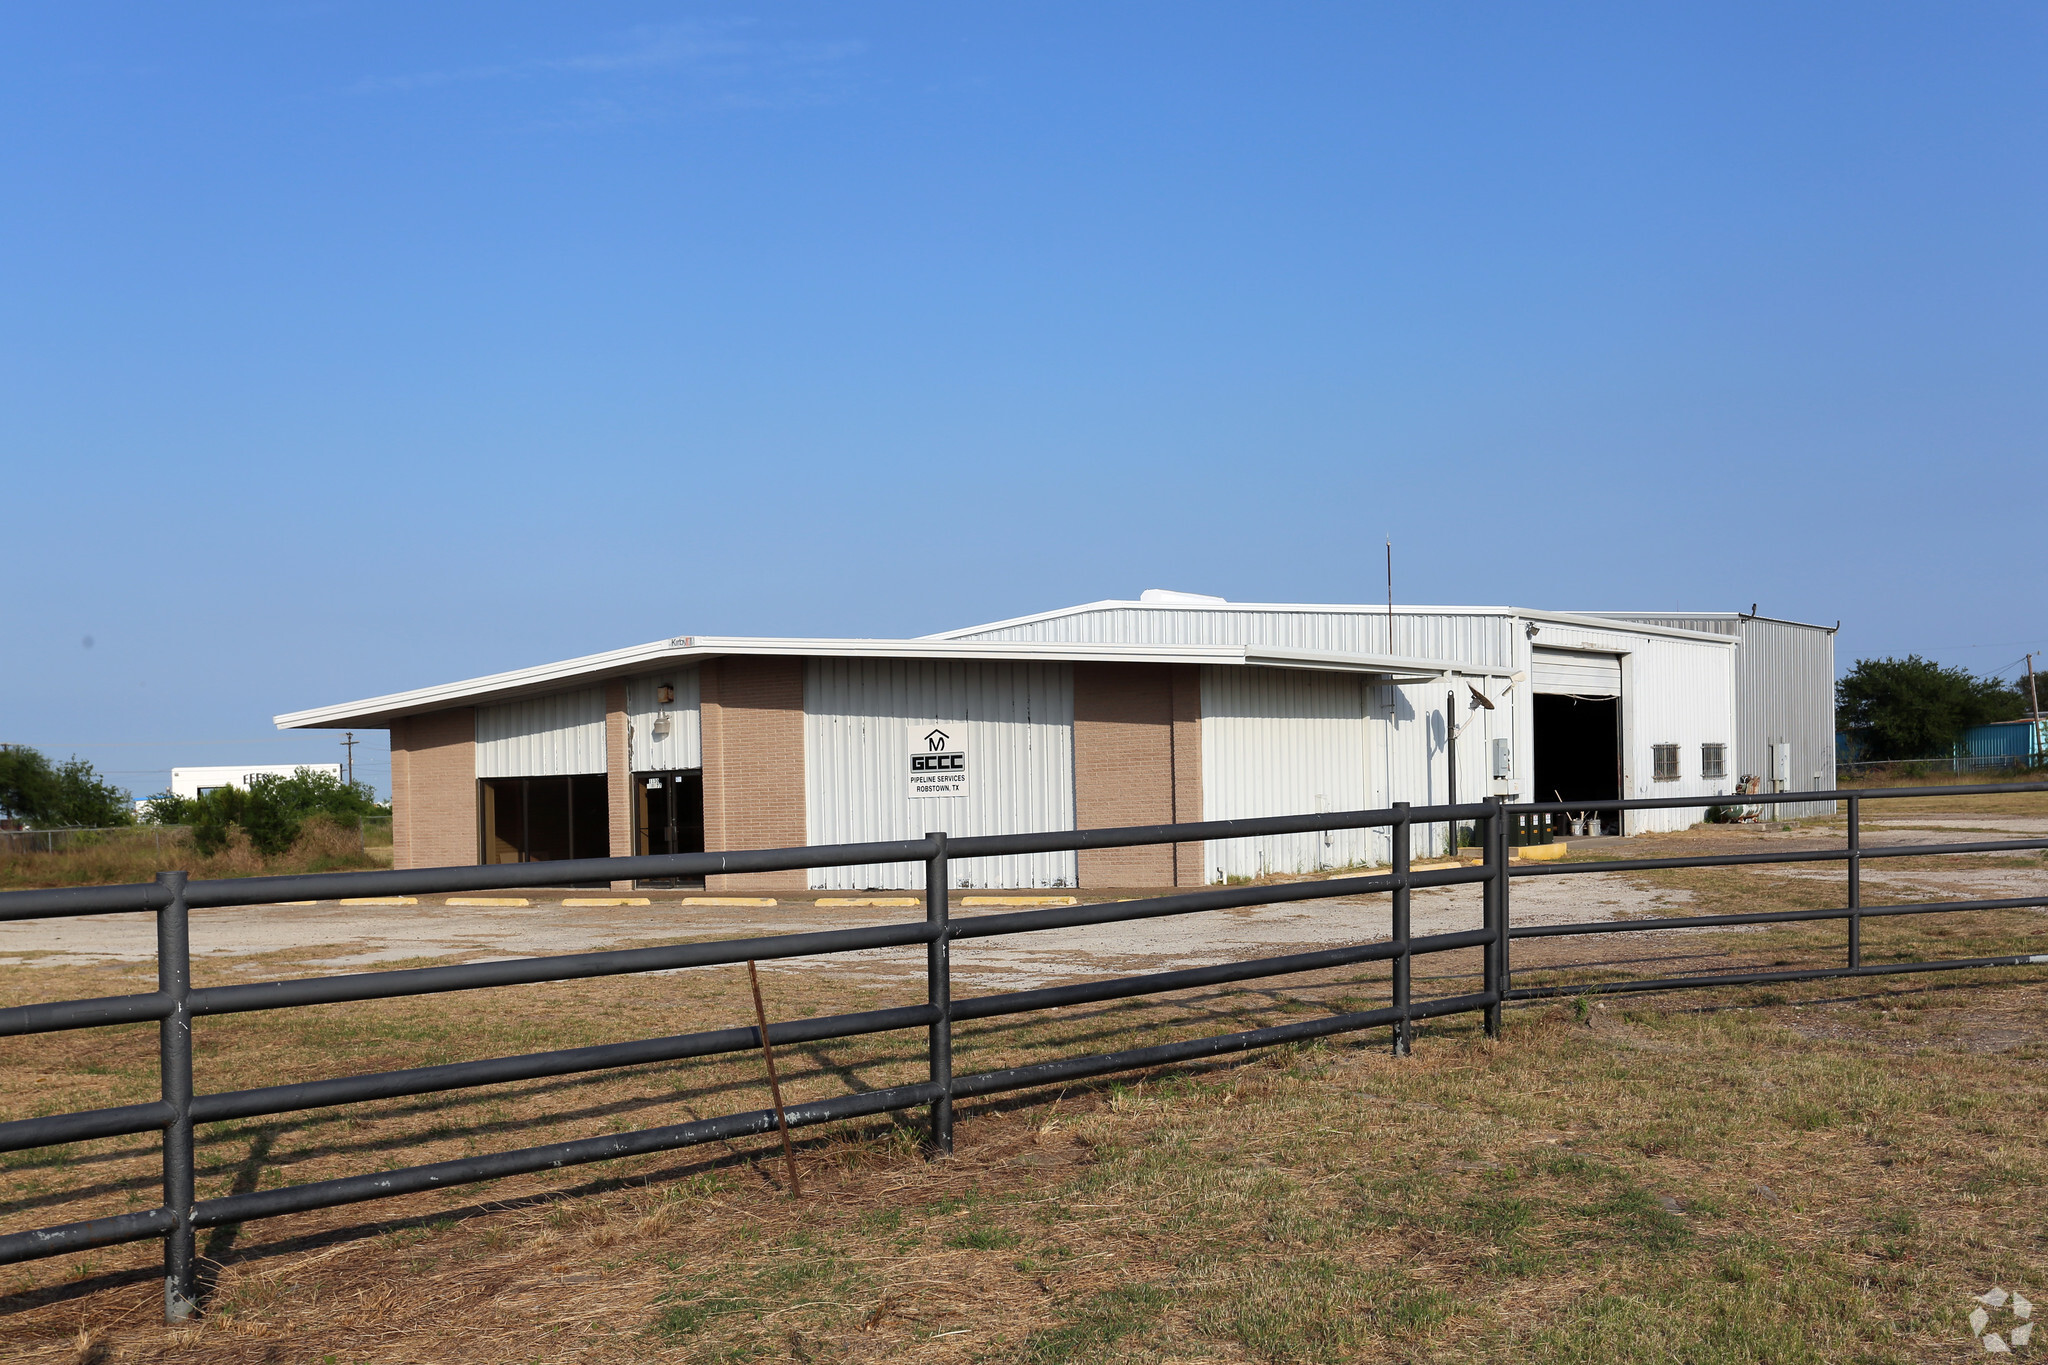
(938, 760)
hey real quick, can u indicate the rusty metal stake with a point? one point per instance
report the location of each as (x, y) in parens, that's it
(774, 1083)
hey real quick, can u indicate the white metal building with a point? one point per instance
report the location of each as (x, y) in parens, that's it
(1171, 708)
(195, 782)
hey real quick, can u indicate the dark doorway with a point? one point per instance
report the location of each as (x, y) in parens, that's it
(1578, 753)
(668, 810)
(543, 819)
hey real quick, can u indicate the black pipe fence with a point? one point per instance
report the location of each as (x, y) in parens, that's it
(176, 1002)
(1853, 913)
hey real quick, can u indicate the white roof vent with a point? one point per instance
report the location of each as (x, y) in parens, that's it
(1169, 595)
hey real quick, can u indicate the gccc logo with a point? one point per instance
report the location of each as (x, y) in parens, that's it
(938, 762)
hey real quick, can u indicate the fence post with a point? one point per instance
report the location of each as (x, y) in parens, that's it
(174, 1058)
(1494, 898)
(1404, 1028)
(938, 968)
(1855, 881)
(1507, 914)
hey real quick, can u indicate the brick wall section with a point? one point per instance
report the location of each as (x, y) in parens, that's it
(1131, 767)
(1187, 769)
(618, 774)
(753, 727)
(433, 789)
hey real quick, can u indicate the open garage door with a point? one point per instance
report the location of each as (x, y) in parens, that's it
(1574, 673)
(1577, 715)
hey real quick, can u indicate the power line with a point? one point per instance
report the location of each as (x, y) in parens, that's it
(1994, 644)
(168, 743)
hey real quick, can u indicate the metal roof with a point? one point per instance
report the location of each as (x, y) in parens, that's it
(1711, 616)
(1591, 620)
(690, 649)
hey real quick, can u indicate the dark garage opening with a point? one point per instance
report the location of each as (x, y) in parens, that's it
(1578, 753)
(544, 819)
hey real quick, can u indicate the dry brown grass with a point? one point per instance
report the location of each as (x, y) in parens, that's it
(2001, 803)
(137, 855)
(1818, 1172)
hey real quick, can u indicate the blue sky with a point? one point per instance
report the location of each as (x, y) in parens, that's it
(346, 348)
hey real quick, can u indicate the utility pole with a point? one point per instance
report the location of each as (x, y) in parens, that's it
(1451, 762)
(349, 742)
(2034, 745)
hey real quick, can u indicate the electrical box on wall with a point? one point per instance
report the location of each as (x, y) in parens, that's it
(1781, 763)
(1503, 755)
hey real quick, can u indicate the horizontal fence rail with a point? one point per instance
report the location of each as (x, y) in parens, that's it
(1852, 854)
(176, 1003)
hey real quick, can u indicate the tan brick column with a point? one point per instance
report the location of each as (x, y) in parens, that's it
(1188, 859)
(618, 775)
(401, 796)
(752, 715)
(433, 789)
(1124, 768)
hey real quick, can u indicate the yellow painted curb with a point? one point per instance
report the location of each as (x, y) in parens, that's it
(1018, 900)
(1434, 865)
(869, 900)
(1541, 853)
(491, 902)
(595, 902)
(730, 900)
(298, 902)
(380, 900)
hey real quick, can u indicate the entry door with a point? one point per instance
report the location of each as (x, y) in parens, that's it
(670, 811)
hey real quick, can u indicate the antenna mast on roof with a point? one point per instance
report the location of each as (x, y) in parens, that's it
(1390, 597)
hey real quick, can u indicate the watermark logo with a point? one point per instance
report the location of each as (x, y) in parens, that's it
(2002, 1321)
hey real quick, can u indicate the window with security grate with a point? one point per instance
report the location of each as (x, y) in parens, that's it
(1713, 760)
(1666, 762)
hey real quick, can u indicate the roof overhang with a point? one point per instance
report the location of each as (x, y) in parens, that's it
(687, 650)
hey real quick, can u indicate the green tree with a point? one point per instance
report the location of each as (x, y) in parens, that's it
(169, 808)
(53, 795)
(273, 810)
(1915, 708)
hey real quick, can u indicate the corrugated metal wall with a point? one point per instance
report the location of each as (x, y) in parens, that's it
(1413, 760)
(542, 736)
(684, 746)
(1785, 694)
(1464, 637)
(1283, 742)
(1788, 697)
(1677, 692)
(1019, 724)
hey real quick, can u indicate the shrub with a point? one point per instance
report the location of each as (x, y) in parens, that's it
(272, 810)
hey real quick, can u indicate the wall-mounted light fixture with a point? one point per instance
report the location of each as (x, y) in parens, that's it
(662, 726)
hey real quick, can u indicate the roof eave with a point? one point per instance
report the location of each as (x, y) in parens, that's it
(378, 712)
